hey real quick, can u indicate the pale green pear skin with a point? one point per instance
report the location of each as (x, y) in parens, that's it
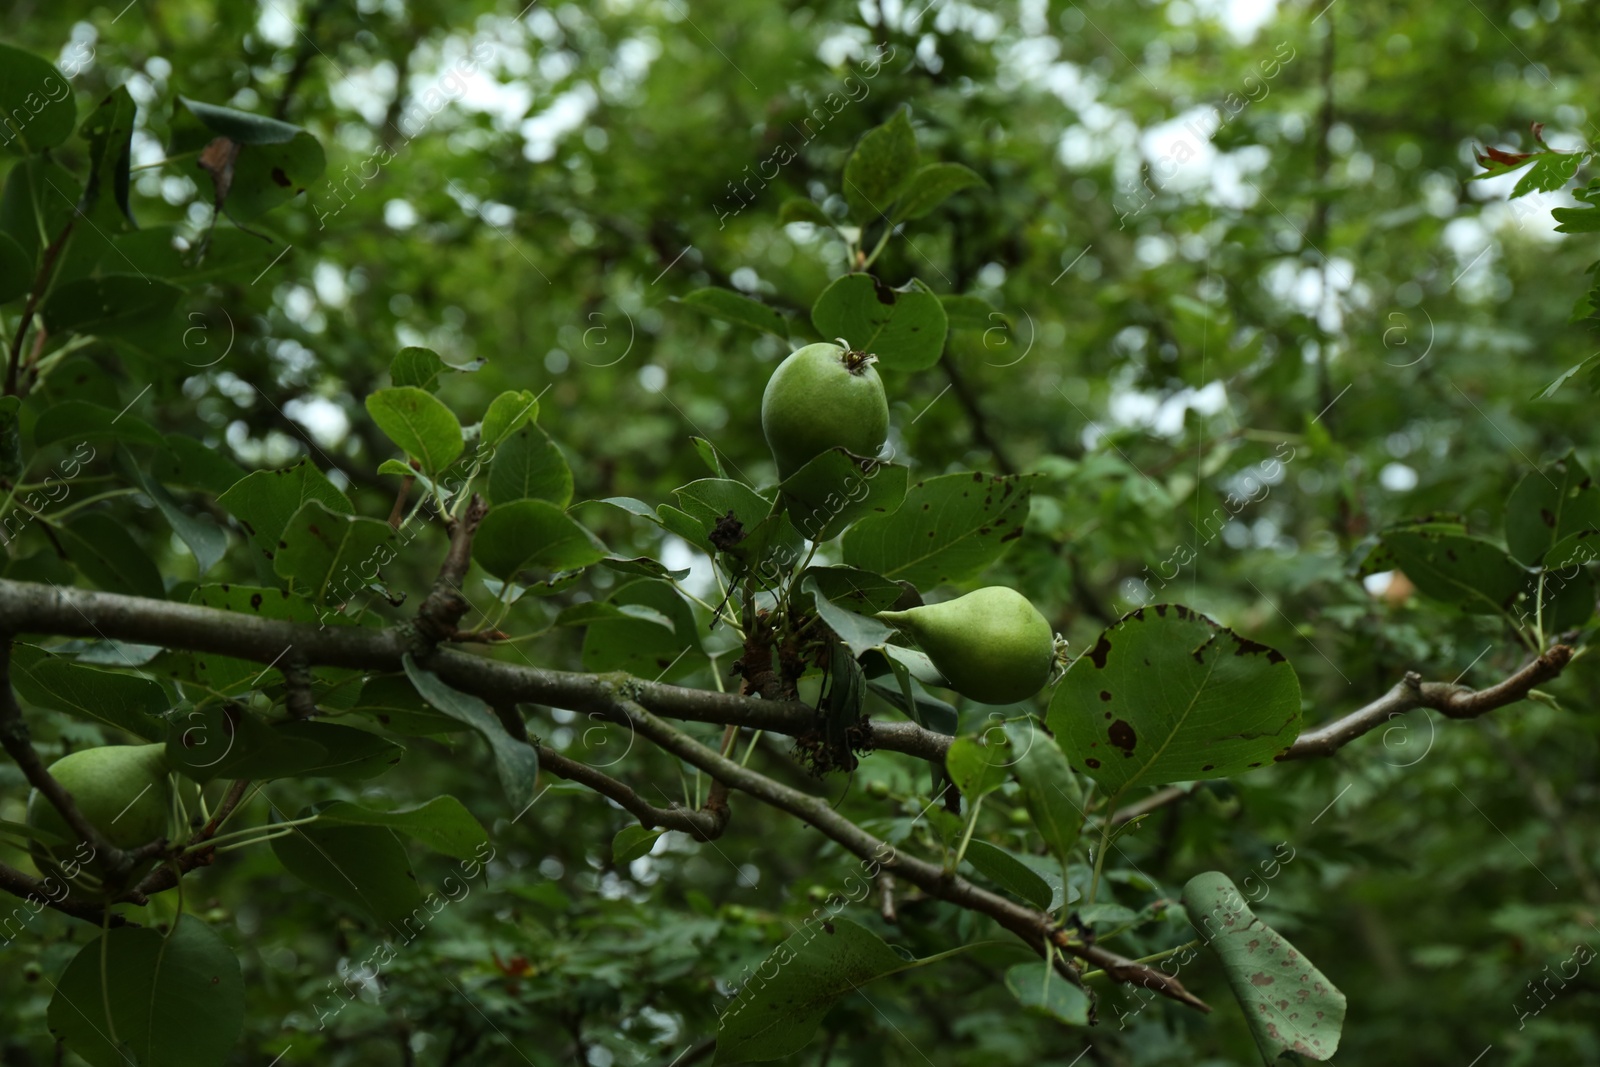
(991, 645)
(815, 401)
(122, 789)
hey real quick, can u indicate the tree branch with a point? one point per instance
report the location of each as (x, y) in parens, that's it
(1452, 701)
(1035, 928)
(440, 614)
(705, 825)
(969, 404)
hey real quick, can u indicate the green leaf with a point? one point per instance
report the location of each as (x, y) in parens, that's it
(836, 488)
(631, 843)
(931, 186)
(191, 464)
(1289, 1005)
(663, 644)
(903, 327)
(125, 701)
(395, 704)
(777, 1016)
(40, 197)
(1576, 219)
(708, 453)
(364, 866)
(109, 131)
(879, 168)
(856, 630)
(36, 106)
(1009, 873)
(242, 126)
(796, 209)
(265, 501)
(729, 306)
(79, 420)
(978, 767)
(1167, 695)
(854, 589)
(16, 269)
(224, 741)
(516, 762)
(1588, 362)
(1447, 564)
(971, 313)
(325, 555)
(643, 566)
(416, 367)
(728, 517)
(528, 465)
(204, 538)
(1549, 172)
(109, 305)
(948, 530)
(508, 412)
(175, 1000)
(1549, 505)
(533, 534)
(348, 753)
(442, 824)
(1052, 793)
(1043, 992)
(420, 424)
(106, 553)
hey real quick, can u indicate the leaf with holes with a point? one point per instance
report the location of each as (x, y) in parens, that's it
(1288, 1003)
(903, 327)
(1167, 695)
(948, 529)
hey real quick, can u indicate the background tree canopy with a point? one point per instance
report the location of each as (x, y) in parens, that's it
(381, 438)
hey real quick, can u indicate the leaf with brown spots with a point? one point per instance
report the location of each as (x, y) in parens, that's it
(1167, 695)
(948, 530)
(1289, 1004)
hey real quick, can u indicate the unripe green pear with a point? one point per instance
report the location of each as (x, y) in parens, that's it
(991, 645)
(823, 397)
(122, 789)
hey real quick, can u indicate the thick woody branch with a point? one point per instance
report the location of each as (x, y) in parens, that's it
(705, 825)
(1452, 701)
(440, 615)
(1035, 928)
